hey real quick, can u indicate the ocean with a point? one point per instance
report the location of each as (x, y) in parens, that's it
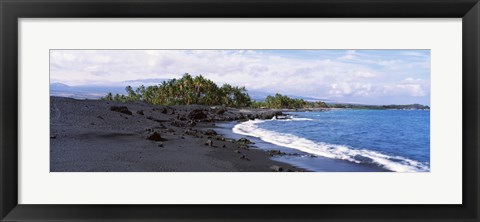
(346, 140)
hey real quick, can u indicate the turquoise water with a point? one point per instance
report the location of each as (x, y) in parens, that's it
(377, 140)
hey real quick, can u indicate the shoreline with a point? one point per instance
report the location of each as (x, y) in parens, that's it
(301, 159)
(106, 136)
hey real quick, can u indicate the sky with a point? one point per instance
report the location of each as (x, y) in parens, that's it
(350, 76)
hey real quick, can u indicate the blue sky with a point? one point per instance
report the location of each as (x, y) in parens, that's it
(354, 76)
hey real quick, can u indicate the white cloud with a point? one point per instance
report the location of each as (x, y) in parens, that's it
(353, 75)
(365, 74)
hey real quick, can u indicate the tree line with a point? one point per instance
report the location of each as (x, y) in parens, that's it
(280, 101)
(199, 90)
(185, 91)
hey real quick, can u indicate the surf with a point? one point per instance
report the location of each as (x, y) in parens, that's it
(334, 151)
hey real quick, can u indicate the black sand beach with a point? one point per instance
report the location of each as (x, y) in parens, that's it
(108, 136)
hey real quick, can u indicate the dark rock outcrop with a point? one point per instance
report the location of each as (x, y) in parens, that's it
(168, 110)
(197, 114)
(155, 137)
(269, 114)
(219, 111)
(245, 141)
(121, 109)
(276, 153)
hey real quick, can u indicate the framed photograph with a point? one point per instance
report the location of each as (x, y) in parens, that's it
(227, 110)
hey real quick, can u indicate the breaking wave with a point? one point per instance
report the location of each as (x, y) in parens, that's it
(334, 151)
(299, 119)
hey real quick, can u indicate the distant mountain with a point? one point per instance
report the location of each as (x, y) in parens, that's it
(261, 96)
(83, 92)
(58, 86)
(146, 82)
(97, 91)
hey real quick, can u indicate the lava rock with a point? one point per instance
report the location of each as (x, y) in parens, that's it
(121, 109)
(168, 110)
(245, 141)
(220, 111)
(276, 153)
(155, 137)
(269, 114)
(197, 114)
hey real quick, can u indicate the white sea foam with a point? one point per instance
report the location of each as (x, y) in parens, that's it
(299, 119)
(293, 118)
(334, 151)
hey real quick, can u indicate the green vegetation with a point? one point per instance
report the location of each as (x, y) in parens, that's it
(199, 90)
(280, 101)
(185, 91)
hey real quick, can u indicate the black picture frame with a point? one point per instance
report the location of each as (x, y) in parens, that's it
(12, 10)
